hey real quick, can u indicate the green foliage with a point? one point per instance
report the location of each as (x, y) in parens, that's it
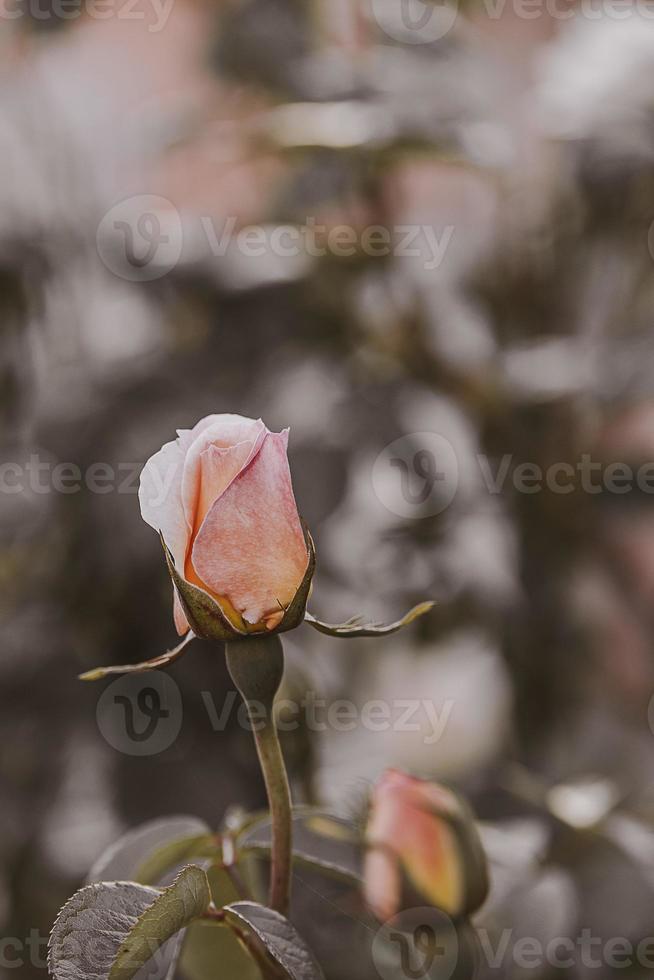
(322, 841)
(109, 930)
(273, 940)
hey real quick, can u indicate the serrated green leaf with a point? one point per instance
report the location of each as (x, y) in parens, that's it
(271, 937)
(109, 930)
(178, 905)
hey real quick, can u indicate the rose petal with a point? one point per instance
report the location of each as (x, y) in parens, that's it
(382, 884)
(431, 859)
(250, 548)
(422, 840)
(206, 477)
(181, 622)
(160, 497)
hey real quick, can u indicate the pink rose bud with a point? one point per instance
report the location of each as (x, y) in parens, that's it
(221, 498)
(422, 848)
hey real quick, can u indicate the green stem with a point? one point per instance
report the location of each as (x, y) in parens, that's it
(256, 665)
(279, 799)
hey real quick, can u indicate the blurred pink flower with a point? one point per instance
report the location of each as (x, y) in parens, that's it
(422, 846)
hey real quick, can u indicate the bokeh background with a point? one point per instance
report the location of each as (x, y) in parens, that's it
(526, 144)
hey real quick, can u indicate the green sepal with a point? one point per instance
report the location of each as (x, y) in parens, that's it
(473, 856)
(205, 617)
(355, 629)
(294, 614)
(98, 673)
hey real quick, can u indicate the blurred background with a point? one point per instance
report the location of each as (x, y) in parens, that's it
(420, 236)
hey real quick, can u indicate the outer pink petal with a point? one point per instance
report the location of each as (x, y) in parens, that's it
(403, 821)
(205, 477)
(382, 883)
(250, 548)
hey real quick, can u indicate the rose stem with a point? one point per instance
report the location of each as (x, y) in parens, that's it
(256, 665)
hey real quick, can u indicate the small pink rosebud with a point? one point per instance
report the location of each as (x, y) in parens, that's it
(221, 498)
(422, 847)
